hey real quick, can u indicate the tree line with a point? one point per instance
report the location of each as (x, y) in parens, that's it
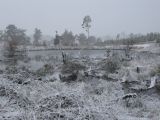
(15, 36)
(134, 39)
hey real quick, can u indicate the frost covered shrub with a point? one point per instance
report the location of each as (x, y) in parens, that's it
(1, 71)
(96, 91)
(11, 70)
(71, 67)
(18, 74)
(46, 69)
(27, 60)
(132, 102)
(38, 57)
(155, 71)
(70, 71)
(157, 84)
(2, 91)
(58, 107)
(158, 70)
(126, 63)
(111, 65)
(8, 92)
(51, 116)
(69, 77)
(142, 77)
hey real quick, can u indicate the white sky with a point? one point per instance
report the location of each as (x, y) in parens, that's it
(109, 16)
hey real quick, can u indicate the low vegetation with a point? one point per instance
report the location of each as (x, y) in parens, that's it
(156, 71)
(48, 87)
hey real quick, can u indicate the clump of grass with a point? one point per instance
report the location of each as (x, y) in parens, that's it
(155, 71)
(46, 69)
(70, 67)
(110, 65)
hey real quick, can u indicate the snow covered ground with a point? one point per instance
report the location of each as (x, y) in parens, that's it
(33, 90)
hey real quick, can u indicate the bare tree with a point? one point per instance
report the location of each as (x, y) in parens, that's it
(87, 24)
(37, 36)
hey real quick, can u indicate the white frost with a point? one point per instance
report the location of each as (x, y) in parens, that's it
(153, 82)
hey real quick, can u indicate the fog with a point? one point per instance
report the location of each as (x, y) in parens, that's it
(79, 60)
(109, 17)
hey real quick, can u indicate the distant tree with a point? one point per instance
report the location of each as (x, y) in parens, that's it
(14, 37)
(37, 36)
(92, 40)
(27, 41)
(135, 39)
(158, 40)
(76, 41)
(68, 38)
(99, 40)
(1, 35)
(82, 39)
(118, 37)
(158, 37)
(57, 39)
(129, 44)
(44, 44)
(87, 24)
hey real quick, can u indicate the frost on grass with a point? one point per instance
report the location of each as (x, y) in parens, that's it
(81, 89)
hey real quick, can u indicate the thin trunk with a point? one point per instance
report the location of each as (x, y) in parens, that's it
(88, 33)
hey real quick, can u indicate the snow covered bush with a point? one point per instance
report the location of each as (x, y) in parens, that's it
(71, 67)
(132, 100)
(155, 71)
(2, 91)
(11, 70)
(70, 71)
(111, 65)
(46, 69)
(38, 57)
(58, 107)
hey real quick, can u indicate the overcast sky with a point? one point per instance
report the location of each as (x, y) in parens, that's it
(109, 17)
